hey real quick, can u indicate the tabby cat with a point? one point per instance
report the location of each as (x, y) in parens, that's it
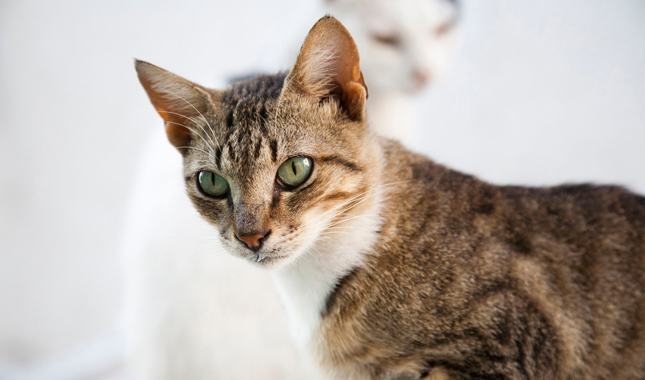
(390, 265)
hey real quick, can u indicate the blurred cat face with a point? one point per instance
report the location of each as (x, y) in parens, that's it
(405, 45)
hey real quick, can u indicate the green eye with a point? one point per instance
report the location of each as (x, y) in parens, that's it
(212, 184)
(295, 171)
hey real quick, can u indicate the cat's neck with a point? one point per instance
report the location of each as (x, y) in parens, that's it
(305, 285)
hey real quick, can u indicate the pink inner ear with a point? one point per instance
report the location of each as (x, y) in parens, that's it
(163, 113)
(353, 91)
(178, 136)
(354, 99)
(176, 101)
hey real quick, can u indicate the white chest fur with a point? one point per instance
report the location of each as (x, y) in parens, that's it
(305, 285)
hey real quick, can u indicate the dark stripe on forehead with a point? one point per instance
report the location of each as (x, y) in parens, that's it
(229, 136)
(218, 156)
(263, 128)
(231, 153)
(236, 114)
(263, 112)
(341, 161)
(229, 120)
(240, 137)
(258, 146)
(274, 150)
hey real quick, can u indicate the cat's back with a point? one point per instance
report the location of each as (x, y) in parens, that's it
(472, 277)
(427, 198)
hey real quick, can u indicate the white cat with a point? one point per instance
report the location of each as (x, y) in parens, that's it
(194, 312)
(405, 46)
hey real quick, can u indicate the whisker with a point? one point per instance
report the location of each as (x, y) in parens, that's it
(333, 209)
(180, 114)
(200, 114)
(192, 147)
(284, 88)
(352, 202)
(335, 224)
(298, 113)
(196, 123)
(192, 130)
(326, 236)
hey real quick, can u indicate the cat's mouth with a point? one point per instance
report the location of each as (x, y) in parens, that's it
(264, 260)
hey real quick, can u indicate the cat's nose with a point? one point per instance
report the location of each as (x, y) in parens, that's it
(254, 242)
(421, 76)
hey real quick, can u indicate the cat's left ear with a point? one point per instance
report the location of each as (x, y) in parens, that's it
(178, 101)
(328, 65)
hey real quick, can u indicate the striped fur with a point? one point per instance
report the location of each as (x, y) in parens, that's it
(394, 267)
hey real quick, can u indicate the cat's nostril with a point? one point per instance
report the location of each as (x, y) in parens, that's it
(253, 242)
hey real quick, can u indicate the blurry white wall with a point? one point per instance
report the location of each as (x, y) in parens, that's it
(544, 92)
(541, 92)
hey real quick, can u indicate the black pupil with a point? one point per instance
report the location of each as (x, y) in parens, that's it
(293, 167)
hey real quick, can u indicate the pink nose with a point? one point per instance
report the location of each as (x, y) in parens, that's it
(421, 76)
(254, 242)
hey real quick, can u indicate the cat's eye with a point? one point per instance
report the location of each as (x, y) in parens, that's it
(387, 39)
(212, 184)
(295, 171)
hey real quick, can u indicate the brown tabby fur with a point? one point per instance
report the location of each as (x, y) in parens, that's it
(466, 280)
(495, 282)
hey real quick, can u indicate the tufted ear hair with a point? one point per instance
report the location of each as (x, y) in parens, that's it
(328, 66)
(179, 102)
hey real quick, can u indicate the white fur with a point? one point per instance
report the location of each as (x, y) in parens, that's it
(305, 285)
(390, 71)
(195, 312)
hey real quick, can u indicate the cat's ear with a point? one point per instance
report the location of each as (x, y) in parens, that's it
(328, 65)
(177, 100)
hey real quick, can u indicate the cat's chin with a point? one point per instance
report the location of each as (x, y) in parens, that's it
(261, 258)
(268, 261)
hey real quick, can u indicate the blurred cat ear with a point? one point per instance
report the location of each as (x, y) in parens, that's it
(328, 65)
(177, 100)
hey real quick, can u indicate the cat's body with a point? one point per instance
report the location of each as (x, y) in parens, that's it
(480, 281)
(394, 267)
(194, 313)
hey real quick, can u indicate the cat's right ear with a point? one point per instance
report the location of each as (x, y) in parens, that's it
(328, 66)
(179, 102)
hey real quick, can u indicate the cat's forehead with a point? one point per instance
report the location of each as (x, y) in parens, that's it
(252, 95)
(388, 16)
(250, 128)
(246, 108)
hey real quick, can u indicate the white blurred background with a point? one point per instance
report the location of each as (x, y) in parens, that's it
(540, 92)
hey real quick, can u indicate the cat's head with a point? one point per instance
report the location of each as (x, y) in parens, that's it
(277, 163)
(408, 42)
